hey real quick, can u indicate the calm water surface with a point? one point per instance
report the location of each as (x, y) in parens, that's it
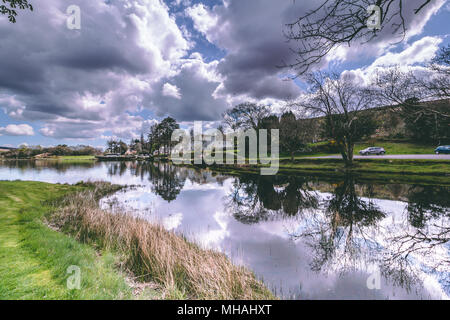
(305, 237)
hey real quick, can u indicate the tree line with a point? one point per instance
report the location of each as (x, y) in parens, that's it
(336, 107)
(158, 141)
(25, 152)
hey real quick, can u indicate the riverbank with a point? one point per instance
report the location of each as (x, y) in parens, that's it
(395, 170)
(57, 158)
(34, 258)
(46, 228)
(381, 170)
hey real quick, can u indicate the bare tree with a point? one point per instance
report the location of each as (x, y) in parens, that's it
(395, 86)
(342, 103)
(429, 219)
(438, 85)
(295, 133)
(421, 99)
(245, 116)
(404, 88)
(337, 22)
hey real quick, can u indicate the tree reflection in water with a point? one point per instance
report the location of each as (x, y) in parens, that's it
(346, 226)
(261, 198)
(118, 168)
(167, 180)
(40, 165)
(425, 237)
(347, 232)
(340, 236)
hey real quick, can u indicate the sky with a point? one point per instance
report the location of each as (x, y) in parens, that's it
(132, 63)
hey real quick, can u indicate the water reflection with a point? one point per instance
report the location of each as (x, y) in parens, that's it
(308, 239)
(347, 232)
(260, 198)
(39, 165)
(335, 236)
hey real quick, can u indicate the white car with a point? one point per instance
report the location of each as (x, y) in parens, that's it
(372, 150)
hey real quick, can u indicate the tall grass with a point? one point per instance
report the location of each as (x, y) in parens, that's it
(150, 252)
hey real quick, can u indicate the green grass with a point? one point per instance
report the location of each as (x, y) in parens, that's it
(397, 147)
(34, 258)
(71, 158)
(392, 148)
(406, 171)
(285, 156)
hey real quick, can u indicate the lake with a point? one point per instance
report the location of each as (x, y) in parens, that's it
(305, 237)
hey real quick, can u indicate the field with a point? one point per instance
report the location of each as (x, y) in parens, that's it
(398, 147)
(73, 158)
(392, 148)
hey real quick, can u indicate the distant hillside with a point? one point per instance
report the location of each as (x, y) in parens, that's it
(392, 125)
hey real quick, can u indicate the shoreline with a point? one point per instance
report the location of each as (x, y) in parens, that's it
(382, 170)
(437, 172)
(63, 226)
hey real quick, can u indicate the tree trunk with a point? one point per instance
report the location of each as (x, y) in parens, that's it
(349, 151)
(292, 156)
(344, 155)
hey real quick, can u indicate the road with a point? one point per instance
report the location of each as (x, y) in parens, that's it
(397, 156)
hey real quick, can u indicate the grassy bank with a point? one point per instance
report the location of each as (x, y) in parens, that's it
(74, 159)
(120, 257)
(34, 258)
(394, 166)
(71, 158)
(382, 170)
(397, 148)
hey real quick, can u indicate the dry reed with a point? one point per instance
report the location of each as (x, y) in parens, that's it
(152, 253)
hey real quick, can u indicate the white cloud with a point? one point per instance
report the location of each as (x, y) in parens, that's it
(204, 20)
(82, 84)
(412, 58)
(252, 36)
(196, 82)
(170, 90)
(421, 51)
(132, 55)
(17, 130)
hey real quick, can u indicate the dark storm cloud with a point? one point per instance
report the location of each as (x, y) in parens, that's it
(251, 32)
(99, 59)
(60, 76)
(196, 86)
(131, 55)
